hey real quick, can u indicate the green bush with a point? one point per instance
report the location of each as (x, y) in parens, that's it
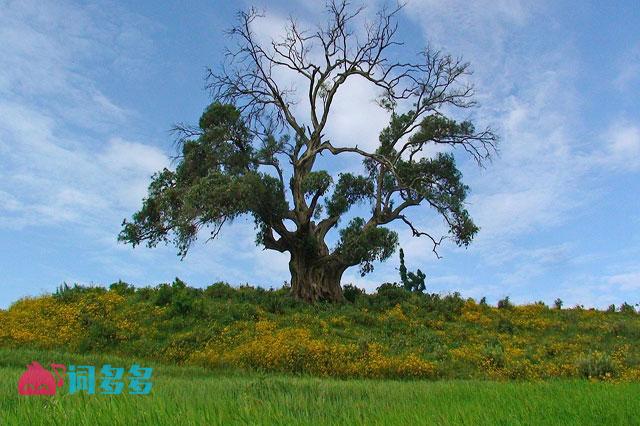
(596, 365)
(275, 303)
(100, 335)
(67, 293)
(219, 324)
(505, 326)
(505, 303)
(183, 303)
(390, 294)
(626, 308)
(220, 290)
(351, 292)
(494, 353)
(122, 288)
(163, 294)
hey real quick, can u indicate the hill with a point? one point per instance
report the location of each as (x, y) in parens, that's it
(393, 333)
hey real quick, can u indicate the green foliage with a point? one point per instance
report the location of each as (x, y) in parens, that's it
(393, 132)
(440, 182)
(597, 365)
(164, 295)
(67, 293)
(505, 303)
(440, 129)
(411, 281)
(181, 299)
(351, 292)
(122, 288)
(390, 294)
(100, 335)
(220, 290)
(316, 183)
(558, 303)
(363, 245)
(349, 190)
(541, 304)
(448, 306)
(225, 143)
(494, 353)
(626, 308)
(505, 326)
(215, 182)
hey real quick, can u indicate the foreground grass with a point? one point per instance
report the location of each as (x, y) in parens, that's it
(193, 396)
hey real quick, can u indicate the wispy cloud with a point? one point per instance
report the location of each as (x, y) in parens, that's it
(64, 159)
(621, 147)
(628, 68)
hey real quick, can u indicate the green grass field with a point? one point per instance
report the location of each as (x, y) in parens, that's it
(194, 396)
(251, 356)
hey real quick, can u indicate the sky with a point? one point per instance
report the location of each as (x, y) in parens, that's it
(89, 91)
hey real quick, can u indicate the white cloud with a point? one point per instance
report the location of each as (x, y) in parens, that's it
(9, 202)
(625, 282)
(355, 118)
(60, 162)
(535, 181)
(622, 147)
(602, 290)
(124, 156)
(629, 68)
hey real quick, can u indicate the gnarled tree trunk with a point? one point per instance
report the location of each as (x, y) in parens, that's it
(314, 280)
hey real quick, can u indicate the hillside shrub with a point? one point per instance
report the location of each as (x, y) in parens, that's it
(390, 294)
(597, 365)
(505, 303)
(351, 292)
(392, 333)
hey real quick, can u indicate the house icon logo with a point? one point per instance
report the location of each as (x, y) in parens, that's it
(39, 381)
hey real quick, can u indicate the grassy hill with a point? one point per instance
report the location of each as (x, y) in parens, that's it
(391, 334)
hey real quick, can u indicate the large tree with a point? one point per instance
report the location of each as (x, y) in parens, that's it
(254, 152)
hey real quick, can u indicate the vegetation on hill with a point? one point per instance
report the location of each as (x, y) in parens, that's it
(393, 333)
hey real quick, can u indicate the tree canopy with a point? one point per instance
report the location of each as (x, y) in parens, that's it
(254, 153)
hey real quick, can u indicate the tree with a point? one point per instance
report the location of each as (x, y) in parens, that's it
(411, 281)
(254, 153)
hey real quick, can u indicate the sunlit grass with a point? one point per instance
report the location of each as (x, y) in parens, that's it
(193, 396)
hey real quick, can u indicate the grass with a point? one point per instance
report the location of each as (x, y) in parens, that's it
(194, 396)
(392, 334)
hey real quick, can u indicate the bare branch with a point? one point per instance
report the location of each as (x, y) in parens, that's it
(417, 233)
(414, 90)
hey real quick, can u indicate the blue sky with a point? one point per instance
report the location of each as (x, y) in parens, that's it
(89, 90)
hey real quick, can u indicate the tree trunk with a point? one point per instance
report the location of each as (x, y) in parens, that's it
(313, 281)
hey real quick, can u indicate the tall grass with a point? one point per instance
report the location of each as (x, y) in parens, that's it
(192, 396)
